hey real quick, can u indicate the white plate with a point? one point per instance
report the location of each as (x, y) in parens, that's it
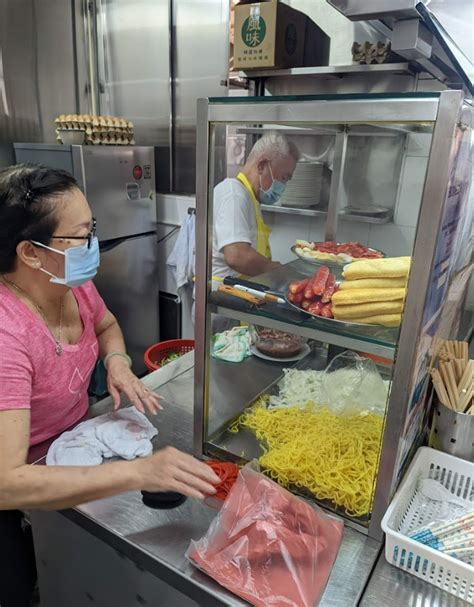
(302, 193)
(316, 261)
(305, 187)
(300, 203)
(304, 352)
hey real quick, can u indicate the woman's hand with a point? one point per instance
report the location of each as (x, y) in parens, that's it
(173, 470)
(121, 379)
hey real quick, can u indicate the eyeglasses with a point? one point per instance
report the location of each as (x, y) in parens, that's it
(89, 236)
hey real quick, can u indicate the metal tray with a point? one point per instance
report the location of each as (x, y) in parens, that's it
(331, 263)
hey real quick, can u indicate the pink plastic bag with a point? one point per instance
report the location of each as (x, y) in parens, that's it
(268, 546)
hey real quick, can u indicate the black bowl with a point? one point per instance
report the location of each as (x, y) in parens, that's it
(163, 500)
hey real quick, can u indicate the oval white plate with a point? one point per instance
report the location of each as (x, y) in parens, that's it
(304, 352)
(332, 262)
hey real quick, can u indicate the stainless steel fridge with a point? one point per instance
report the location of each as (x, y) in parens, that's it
(119, 183)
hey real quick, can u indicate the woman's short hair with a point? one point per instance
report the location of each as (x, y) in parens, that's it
(275, 146)
(27, 209)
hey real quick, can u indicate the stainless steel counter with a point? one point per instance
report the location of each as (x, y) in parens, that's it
(118, 552)
(391, 587)
(156, 541)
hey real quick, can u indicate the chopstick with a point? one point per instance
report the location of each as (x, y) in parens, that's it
(447, 374)
(462, 522)
(440, 388)
(453, 380)
(450, 350)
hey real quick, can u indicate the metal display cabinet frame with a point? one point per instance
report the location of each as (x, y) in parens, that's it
(443, 112)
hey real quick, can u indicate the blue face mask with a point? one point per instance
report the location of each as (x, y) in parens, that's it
(80, 265)
(274, 192)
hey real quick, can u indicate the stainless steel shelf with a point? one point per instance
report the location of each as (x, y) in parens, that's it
(353, 130)
(374, 339)
(383, 9)
(328, 70)
(349, 341)
(326, 129)
(365, 219)
(310, 212)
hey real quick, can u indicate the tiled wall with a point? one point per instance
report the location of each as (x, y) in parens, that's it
(394, 239)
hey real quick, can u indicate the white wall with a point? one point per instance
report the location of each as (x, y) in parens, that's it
(172, 211)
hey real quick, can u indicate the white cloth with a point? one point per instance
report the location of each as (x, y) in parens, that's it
(181, 258)
(126, 433)
(233, 345)
(75, 450)
(234, 221)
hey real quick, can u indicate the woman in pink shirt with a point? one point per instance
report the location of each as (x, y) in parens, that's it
(53, 327)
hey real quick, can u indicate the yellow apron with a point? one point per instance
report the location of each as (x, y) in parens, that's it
(263, 231)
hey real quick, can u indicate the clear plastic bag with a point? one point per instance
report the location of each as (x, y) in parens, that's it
(353, 383)
(436, 505)
(444, 521)
(268, 546)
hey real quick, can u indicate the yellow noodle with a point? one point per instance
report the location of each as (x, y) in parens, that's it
(334, 457)
(259, 402)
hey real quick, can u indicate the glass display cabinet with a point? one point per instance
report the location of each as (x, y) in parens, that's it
(393, 173)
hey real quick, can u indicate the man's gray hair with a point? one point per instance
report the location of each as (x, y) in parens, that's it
(274, 146)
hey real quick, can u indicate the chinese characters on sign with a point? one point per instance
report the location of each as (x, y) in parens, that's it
(253, 31)
(254, 55)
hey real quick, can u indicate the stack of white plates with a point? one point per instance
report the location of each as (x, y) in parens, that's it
(304, 190)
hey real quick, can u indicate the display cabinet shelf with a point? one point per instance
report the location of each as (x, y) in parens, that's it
(368, 168)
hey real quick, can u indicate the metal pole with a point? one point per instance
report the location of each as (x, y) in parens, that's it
(431, 212)
(172, 94)
(340, 149)
(203, 244)
(90, 13)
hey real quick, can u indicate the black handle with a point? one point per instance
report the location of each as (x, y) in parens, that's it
(112, 243)
(233, 280)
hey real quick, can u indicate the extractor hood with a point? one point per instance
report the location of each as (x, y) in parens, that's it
(417, 34)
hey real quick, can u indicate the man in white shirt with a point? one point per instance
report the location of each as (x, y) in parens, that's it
(240, 237)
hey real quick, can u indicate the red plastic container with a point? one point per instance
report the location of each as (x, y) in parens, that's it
(156, 353)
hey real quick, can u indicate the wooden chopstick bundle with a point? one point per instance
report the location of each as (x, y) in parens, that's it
(440, 388)
(454, 378)
(451, 350)
(459, 366)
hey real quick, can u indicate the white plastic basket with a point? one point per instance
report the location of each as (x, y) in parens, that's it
(448, 573)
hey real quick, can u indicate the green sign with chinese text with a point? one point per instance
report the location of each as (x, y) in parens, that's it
(253, 31)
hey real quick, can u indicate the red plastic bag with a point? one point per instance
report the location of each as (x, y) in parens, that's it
(268, 546)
